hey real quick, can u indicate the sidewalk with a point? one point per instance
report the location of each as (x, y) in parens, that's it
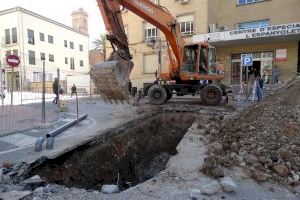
(18, 118)
(102, 117)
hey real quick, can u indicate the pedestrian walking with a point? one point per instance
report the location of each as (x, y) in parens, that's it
(73, 90)
(55, 88)
(276, 74)
(259, 87)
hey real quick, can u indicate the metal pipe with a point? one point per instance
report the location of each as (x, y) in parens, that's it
(43, 96)
(66, 126)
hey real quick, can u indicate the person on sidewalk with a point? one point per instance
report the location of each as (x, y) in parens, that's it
(276, 74)
(55, 90)
(73, 90)
(259, 87)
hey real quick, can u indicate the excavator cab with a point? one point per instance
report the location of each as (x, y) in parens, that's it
(198, 60)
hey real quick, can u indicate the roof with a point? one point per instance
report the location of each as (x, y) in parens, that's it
(23, 10)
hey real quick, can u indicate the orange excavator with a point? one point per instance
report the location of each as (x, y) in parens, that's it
(192, 69)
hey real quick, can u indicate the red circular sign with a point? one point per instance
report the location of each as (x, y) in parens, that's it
(13, 60)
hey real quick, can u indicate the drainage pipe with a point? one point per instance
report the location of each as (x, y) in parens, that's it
(66, 126)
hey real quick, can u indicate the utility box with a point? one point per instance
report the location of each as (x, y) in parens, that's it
(63, 106)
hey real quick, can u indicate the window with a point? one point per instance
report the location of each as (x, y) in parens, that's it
(7, 53)
(31, 55)
(80, 47)
(242, 2)
(42, 37)
(151, 63)
(43, 56)
(65, 43)
(15, 52)
(254, 24)
(30, 34)
(72, 63)
(37, 76)
(14, 35)
(150, 31)
(71, 45)
(7, 36)
(50, 39)
(51, 57)
(186, 24)
(66, 60)
(81, 63)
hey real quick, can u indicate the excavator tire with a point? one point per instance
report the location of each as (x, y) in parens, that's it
(111, 79)
(211, 95)
(157, 95)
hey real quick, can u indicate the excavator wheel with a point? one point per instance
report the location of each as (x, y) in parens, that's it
(111, 79)
(157, 95)
(211, 95)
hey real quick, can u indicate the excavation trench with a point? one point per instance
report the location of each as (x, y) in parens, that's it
(125, 157)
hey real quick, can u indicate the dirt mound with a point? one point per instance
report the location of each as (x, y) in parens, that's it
(263, 139)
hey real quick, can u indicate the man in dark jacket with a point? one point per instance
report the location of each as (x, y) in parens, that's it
(55, 90)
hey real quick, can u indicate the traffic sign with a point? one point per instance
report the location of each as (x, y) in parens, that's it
(247, 60)
(13, 60)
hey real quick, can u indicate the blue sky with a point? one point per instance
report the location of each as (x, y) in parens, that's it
(60, 10)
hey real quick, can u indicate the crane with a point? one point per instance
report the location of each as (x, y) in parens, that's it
(188, 63)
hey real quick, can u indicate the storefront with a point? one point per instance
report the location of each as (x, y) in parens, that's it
(273, 48)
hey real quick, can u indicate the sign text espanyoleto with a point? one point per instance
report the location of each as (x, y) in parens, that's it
(269, 31)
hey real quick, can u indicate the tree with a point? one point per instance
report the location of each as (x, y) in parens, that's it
(100, 44)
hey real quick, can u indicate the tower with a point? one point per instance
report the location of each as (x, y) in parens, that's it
(80, 20)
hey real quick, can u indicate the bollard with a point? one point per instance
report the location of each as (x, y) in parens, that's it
(39, 144)
(49, 142)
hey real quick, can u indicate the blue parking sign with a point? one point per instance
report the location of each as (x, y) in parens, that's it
(247, 59)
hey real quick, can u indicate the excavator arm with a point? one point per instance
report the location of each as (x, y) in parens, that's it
(112, 77)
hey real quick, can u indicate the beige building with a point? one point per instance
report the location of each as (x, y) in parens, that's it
(268, 30)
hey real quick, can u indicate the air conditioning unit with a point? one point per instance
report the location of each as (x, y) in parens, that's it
(184, 1)
(212, 28)
(149, 42)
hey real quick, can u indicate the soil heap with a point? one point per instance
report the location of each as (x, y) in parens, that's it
(264, 139)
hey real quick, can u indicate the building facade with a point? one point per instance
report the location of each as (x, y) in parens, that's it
(202, 20)
(37, 39)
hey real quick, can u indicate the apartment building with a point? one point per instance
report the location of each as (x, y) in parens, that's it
(209, 20)
(37, 39)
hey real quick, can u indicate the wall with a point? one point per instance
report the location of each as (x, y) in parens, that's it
(278, 11)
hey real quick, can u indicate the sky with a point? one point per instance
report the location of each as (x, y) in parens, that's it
(60, 11)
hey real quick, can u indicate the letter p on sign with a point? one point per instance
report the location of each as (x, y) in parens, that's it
(247, 59)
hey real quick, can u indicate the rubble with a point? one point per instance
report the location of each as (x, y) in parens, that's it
(263, 139)
(33, 183)
(211, 188)
(110, 189)
(228, 185)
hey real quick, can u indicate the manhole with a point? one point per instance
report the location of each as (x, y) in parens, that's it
(127, 157)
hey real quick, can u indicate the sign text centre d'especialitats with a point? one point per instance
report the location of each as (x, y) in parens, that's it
(276, 30)
(261, 32)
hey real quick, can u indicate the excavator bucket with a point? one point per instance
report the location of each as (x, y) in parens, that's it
(111, 79)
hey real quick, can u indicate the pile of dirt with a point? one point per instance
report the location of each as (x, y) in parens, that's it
(264, 139)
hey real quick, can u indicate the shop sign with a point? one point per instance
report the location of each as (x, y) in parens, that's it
(281, 55)
(270, 31)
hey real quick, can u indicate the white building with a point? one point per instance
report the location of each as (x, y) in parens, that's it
(35, 38)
